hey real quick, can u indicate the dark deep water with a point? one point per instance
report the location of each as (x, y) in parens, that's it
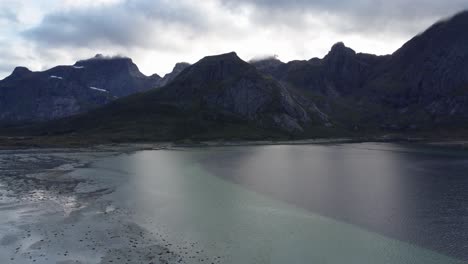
(350, 203)
(418, 195)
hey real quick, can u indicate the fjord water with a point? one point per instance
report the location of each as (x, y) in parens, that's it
(353, 203)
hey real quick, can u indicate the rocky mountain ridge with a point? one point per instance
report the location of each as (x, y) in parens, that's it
(62, 91)
(423, 86)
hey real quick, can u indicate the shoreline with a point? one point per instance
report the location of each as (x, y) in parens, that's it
(183, 144)
(26, 143)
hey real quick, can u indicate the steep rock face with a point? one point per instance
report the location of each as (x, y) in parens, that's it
(219, 96)
(347, 70)
(62, 91)
(226, 85)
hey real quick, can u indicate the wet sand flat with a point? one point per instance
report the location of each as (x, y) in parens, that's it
(49, 216)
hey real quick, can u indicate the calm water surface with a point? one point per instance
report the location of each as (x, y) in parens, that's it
(354, 203)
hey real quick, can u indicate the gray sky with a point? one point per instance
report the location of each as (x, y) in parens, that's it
(158, 33)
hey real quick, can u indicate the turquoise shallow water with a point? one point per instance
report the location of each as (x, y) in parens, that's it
(289, 204)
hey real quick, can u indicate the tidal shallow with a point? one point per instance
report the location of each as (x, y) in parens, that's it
(350, 203)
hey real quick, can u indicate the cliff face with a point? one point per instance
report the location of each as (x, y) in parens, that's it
(225, 86)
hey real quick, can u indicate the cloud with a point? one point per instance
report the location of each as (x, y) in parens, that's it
(354, 15)
(7, 16)
(158, 33)
(395, 9)
(140, 29)
(130, 24)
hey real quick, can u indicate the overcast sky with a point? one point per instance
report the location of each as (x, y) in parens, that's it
(158, 33)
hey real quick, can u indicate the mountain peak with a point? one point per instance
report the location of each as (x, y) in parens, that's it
(462, 16)
(103, 58)
(448, 36)
(232, 53)
(338, 45)
(267, 65)
(99, 56)
(180, 66)
(266, 60)
(340, 49)
(210, 71)
(454, 25)
(218, 67)
(109, 65)
(169, 77)
(222, 57)
(20, 71)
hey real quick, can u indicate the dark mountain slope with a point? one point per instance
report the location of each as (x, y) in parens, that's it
(424, 84)
(225, 85)
(334, 83)
(428, 75)
(219, 96)
(62, 91)
(422, 87)
(340, 73)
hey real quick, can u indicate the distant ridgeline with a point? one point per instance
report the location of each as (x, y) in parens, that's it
(62, 91)
(421, 87)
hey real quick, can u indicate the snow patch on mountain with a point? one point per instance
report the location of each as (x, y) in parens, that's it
(98, 89)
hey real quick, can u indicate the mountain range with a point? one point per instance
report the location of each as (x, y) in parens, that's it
(421, 87)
